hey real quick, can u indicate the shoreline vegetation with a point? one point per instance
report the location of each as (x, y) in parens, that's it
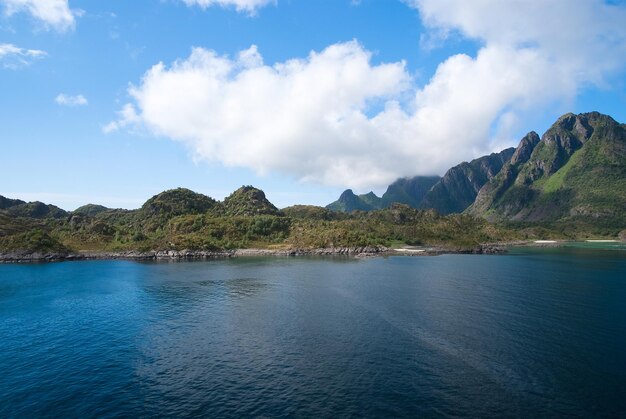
(180, 224)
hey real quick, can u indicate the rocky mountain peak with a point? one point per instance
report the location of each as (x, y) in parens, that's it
(525, 148)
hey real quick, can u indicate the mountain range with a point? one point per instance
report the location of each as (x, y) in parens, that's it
(576, 170)
(570, 184)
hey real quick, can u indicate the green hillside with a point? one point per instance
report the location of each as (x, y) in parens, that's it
(181, 219)
(577, 172)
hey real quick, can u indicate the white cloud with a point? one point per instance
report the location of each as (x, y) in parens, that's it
(127, 116)
(54, 14)
(314, 118)
(570, 36)
(14, 57)
(533, 53)
(248, 6)
(303, 117)
(69, 100)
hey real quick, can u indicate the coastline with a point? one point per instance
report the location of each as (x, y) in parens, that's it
(356, 252)
(36, 257)
(181, 255)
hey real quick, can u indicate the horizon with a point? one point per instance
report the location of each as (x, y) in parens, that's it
(103, 106)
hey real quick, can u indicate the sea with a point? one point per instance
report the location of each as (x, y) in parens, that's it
(537, 332)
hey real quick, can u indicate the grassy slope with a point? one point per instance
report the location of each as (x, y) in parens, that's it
(116, 230)
(576, 188)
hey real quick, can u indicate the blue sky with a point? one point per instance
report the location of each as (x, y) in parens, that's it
(392, 88)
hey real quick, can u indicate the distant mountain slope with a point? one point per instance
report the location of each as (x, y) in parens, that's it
(577, 169)
(453, 192)
(90, 210)
(36, 210)
(409, 191)
(459, 187)
(348, 201)
(8, 202)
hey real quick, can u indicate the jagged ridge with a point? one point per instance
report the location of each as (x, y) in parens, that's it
(576, 170)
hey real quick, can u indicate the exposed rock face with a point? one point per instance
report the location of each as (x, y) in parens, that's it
(460, 185)
(525, 148)
(499, 183)
(577, 169)
(454, 192)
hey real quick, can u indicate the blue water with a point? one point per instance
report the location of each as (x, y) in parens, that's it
(532, 334)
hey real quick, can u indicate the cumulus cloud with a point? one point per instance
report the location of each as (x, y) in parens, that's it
(54, 14)
(303, 117)
(14, 57)
(248, 6)
(69, 100)
(335, 117)
(533, 53)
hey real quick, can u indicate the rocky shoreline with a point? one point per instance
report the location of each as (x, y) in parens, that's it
(30, 257)
(179, 255)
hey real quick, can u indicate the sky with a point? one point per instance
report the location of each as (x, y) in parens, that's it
(111, 102)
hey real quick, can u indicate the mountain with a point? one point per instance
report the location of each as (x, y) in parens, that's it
(349, 202)
(372, 200)
(7, 202)
(453, 192)
(90, 210)
(459, 187)
(409, 191)
(576, 171)
(177, 202)
(496, 187)
(36, 210)
(249, 201)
